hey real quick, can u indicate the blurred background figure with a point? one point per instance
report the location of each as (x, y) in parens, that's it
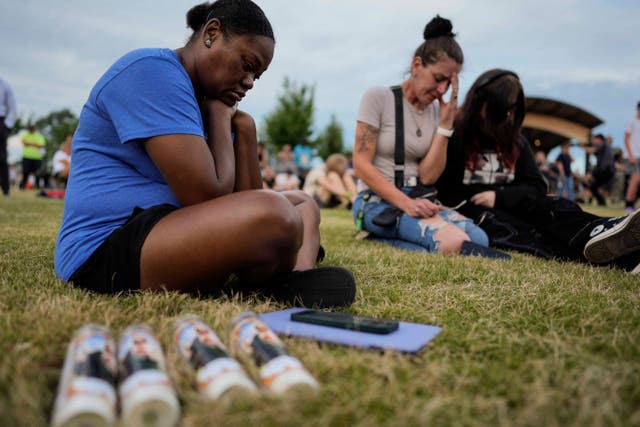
(286, 159)
(32, 154)
(598, 180)
(565, 176)
(549, 171)
(303, 154)
(7, 120)
(620, 177)
(632, 144)
(268, 177)
(263, 155)
(62, 163)
(332, 184)
(286, 180)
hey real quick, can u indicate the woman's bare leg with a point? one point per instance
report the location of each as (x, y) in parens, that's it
(255, 234)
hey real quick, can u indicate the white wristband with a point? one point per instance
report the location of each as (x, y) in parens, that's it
(444, 132)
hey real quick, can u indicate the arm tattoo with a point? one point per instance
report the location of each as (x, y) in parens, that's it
(369, 135)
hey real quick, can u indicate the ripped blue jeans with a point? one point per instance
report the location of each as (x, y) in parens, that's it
(411, 233)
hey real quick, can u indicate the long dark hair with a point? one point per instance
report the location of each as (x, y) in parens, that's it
(492, 115)
(237, 17)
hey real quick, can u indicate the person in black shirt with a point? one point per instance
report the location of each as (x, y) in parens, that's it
(600, 177)
(492, 177)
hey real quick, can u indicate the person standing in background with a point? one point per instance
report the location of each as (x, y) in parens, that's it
(32, 154)
(599, 178)
(632, 144)
(7, 120)
(565, 178)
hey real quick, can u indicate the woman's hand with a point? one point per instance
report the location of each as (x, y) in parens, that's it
(241, 121)
(420, 208)
(448, 109)
(486, 198)
(219, 109)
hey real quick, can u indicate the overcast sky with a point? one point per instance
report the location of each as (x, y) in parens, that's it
(582, 52)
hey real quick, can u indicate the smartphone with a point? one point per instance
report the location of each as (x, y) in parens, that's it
(346, 321)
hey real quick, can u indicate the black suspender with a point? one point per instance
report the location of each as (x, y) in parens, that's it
(399, 148)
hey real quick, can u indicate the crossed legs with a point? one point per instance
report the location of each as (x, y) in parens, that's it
(254, 234)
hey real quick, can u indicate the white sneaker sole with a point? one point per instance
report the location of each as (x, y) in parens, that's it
(615, 242)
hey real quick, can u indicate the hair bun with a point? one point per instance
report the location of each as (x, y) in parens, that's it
(438, 27)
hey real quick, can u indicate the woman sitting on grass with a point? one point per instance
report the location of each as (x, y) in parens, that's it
(331, 184)
(491, 169)
(394, 209)
(162, 195)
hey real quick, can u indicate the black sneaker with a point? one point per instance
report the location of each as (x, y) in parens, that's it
(473, 249)
(321, 287)
(614, 238)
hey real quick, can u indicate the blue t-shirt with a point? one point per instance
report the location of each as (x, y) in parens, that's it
(145, 93)
(303, 155)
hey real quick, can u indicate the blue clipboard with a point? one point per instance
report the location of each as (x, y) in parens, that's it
(409, 338)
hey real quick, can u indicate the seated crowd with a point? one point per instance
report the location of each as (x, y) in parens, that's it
(179, 163)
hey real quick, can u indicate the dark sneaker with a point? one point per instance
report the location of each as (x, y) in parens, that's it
(614, 238)
(473, 249)
(321, 287)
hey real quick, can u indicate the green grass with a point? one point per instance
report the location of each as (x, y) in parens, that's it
(525, 342)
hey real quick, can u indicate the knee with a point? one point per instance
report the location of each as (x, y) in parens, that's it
(478, 235)
(450, 239)
(334, 178)
(279, 220)
(309, 209)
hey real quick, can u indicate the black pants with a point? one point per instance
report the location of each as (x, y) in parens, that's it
(600, 179)
(29, 166)
(550, 227)
(4, 167)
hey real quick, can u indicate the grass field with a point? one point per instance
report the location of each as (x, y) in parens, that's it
(525, 342)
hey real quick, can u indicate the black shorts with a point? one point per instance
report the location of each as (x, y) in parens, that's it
(115, 265)
(332, 203)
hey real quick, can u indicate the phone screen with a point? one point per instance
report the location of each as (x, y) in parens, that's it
(346, 321)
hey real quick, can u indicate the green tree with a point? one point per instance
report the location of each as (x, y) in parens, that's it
(330, 140)
(292, 120)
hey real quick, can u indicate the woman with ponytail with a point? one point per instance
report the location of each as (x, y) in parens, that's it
(394, 203)
(165, 187)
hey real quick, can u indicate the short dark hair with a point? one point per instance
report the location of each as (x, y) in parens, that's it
(237, 17)
(439, 41)
(601, 136)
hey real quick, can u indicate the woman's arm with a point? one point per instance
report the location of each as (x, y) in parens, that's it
(248, 175)
(195, 169)
(363, 154)
(432, 165)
